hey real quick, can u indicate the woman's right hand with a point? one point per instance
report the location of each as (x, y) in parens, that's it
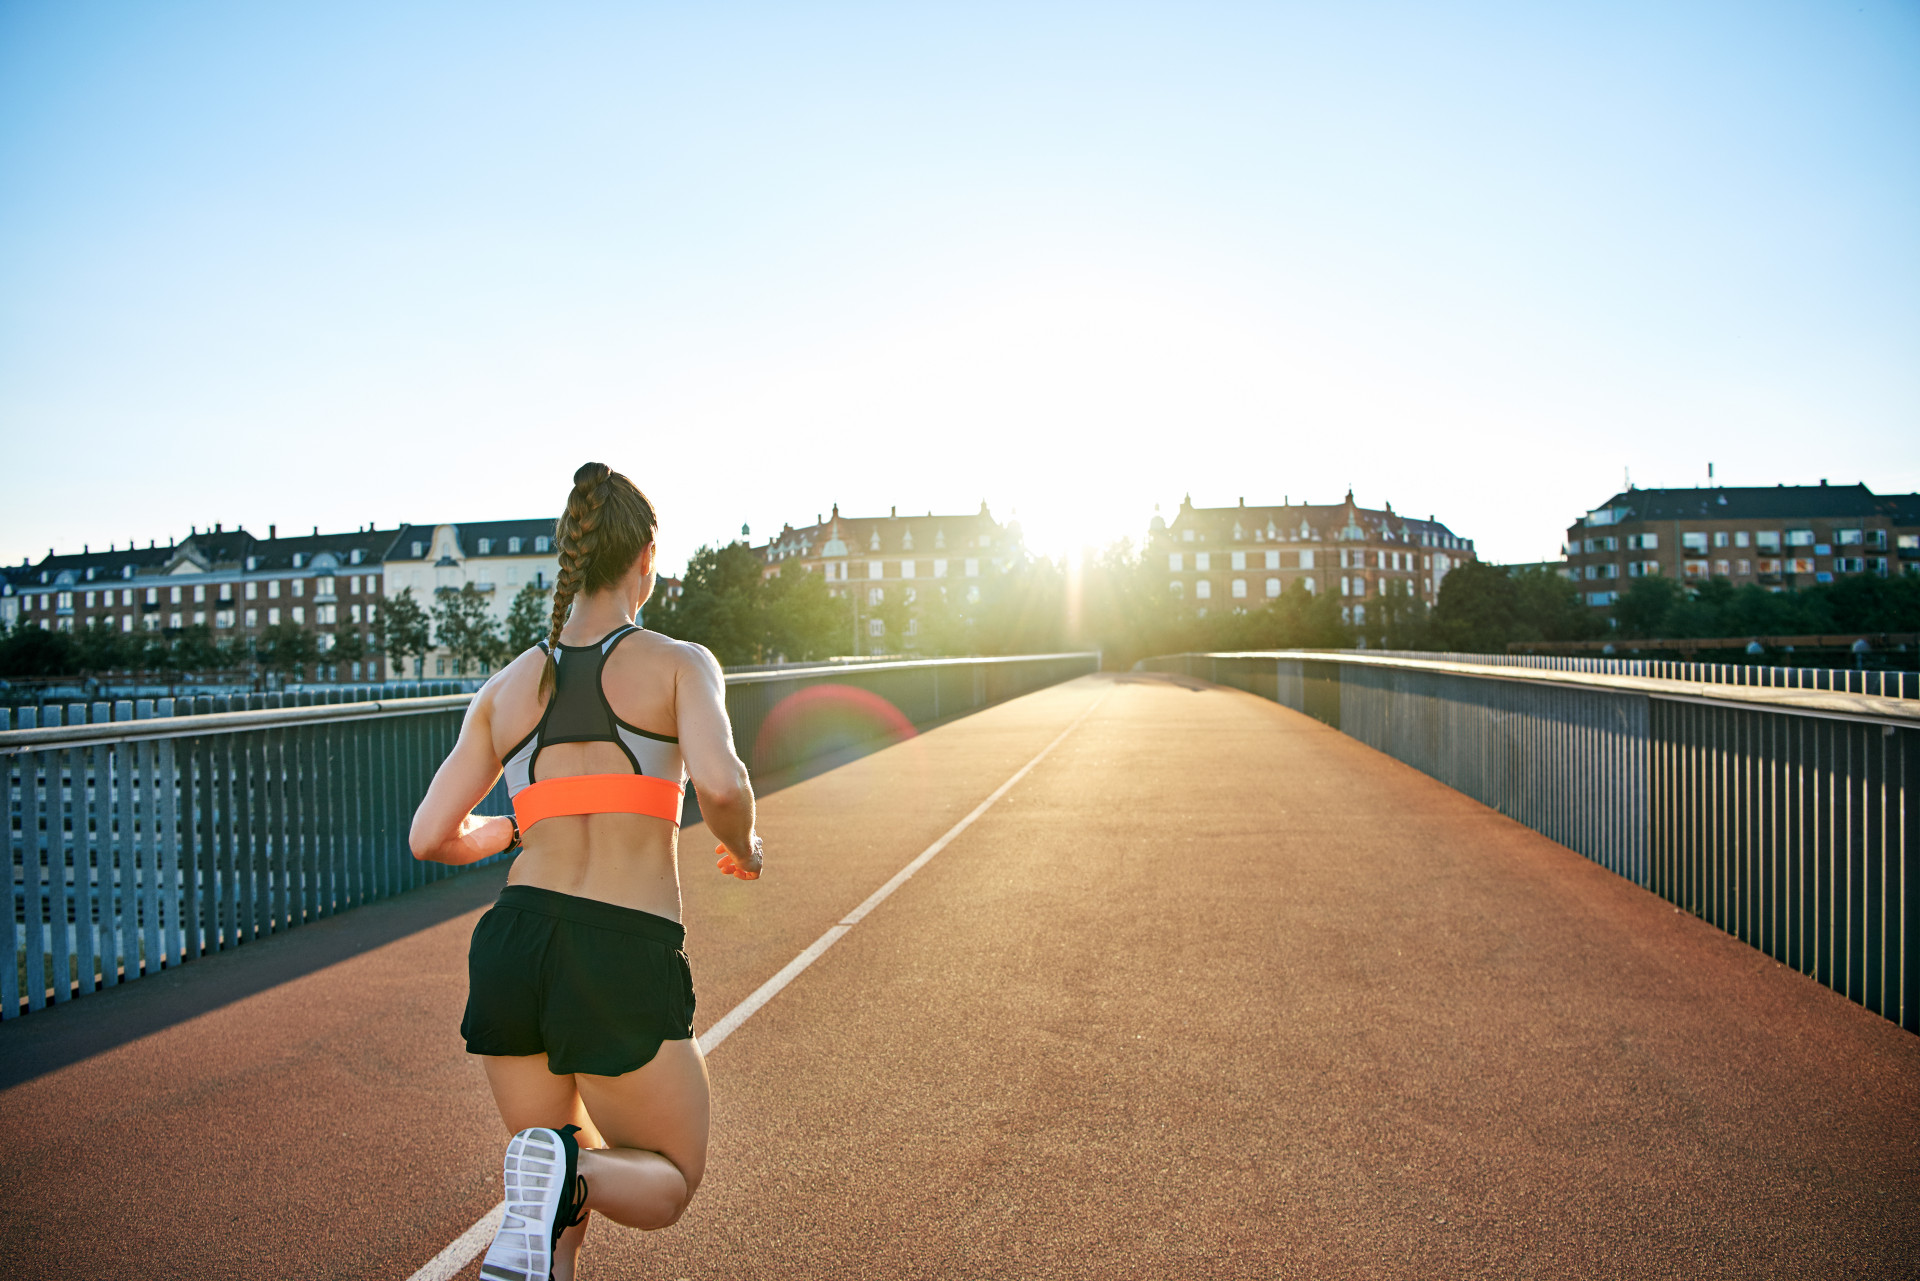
(746, 867)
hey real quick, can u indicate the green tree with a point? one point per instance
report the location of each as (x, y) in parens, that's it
(1477, 609)
(28, 650)
(1642, 610)
(401, 629)
(101, 647)
(721, 605)
(801, 618)
(529, 618)
(943, 627)
(348, 647)
(464, 627)
(285, 648)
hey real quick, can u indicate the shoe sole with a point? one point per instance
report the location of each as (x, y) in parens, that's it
(536, 1170)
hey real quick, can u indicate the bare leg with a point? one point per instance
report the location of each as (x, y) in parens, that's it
(655, 1119)
(527, 1095)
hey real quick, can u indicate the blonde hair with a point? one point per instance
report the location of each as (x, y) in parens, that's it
(606, 525)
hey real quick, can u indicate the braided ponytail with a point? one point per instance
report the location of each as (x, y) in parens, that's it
(606, 525)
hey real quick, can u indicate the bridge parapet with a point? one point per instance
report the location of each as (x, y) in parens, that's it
(143, 835)
(1788, 816)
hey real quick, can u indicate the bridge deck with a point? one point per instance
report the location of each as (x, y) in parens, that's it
(1214, 991)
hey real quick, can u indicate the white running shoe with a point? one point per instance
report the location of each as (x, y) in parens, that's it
(543, 1200)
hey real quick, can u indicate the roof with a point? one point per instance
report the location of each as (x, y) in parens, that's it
(1321, 519)
(856, 534)
(469, 535)
(1757, 502)
(278, 553)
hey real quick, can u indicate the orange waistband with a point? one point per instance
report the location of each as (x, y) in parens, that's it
(598, 794)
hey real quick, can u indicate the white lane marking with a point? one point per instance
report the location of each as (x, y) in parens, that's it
(463, 1251)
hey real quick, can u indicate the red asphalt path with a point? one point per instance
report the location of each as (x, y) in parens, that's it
(1213, 992)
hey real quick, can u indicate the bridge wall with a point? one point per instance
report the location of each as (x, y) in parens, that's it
(143, 835)
(1794, 827)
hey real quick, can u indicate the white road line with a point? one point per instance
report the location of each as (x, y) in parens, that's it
(467, 1247)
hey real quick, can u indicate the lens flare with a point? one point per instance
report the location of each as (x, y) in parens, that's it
(821, 720)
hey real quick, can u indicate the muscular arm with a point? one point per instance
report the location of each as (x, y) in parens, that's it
(706, 744)
(445, 828)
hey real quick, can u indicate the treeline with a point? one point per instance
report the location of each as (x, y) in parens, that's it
(1113, 602)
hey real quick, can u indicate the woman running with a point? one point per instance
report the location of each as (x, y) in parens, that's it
(580, 1002)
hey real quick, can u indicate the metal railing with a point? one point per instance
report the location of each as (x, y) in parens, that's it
(1788, 817)
(143, 835)
(1880, 684)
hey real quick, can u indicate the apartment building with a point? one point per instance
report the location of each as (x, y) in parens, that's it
(1777, 537)
(1241, 557)
(877, 558)
(232, 582)
(497, 558)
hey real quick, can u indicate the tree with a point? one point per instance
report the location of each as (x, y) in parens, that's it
(1547, 606)
(401, 629)
(27, 650)
(285, 648)
(464, 627)
(801, 619)
(529, 618)
(721, 605)
(102, 647)
(1477, 609)
(1642, 609)
(347, 647)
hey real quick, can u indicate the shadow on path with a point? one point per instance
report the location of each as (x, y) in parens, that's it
(50, 1039)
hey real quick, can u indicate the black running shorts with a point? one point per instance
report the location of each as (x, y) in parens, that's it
(593, 986)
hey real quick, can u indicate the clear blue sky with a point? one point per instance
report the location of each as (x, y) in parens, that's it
(321, 264)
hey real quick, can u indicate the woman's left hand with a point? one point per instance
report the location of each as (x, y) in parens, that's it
(731, 864)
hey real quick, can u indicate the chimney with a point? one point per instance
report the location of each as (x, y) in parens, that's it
(216, 526)
(273, 532)
(316, 531)
(895, 511)
(1243, 500)
(83, 549)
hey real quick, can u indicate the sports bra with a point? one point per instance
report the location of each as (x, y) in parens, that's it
(578, 712)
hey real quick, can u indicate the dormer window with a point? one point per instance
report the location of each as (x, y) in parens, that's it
(906, 541)
(298, 560)
(939, 539)
(486, 547)
(419, 549)
(542, 543)
(353, 557)
(89, 573)
(126, 571)
(513, 547)
(874, 543)
(253, 563)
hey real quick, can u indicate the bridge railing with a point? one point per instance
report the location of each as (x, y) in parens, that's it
(141, 835)
(1787, 816)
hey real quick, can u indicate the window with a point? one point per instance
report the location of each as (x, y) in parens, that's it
(1719, 538)
(299, 586)
(1693, 542)
(876, 595)
(1177, 587)
(1849, 537)
(299, 616)
(1346, 585)
(1600, 598)
(1799, 538)
(1203, 590)
(876, 569)
(64, 601)
(1203, 561)
(173, 621)
(223, 618)
(273, 589)
(419, 549)
(1850, 565)
(1306, 562)
(1239, 589)
(973, 570)
(91, 601)
(126, 622)
(1767, 566)
(1722, 569)
(906, 569)
(299, 560)
(353, 613)
(153, 597)
(1742, 568)
(1643, 569)
(372, 612)
(1176, 563)
(513, 547)
(1311, 589)
(251, 591)
(353, 585)
(1875, 538)
(1273, 560)
(1740, 538)
(324, 586)
(324, 613)
(876, 628)
(126, 597)
(939, 568)
(1273, 588)
(486, 547)
(1767, 540)
(1239, 561)
(353, 557)
(1799, 565)
(1908, 542)
(1186, 535)
(253, 618)
(1693, 569)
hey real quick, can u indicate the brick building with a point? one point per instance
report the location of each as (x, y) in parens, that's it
(1778, 537)
(872, 557)
(1241, 557)
(230, 581)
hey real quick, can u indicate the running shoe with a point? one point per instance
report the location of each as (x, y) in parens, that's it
(545, 1196)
